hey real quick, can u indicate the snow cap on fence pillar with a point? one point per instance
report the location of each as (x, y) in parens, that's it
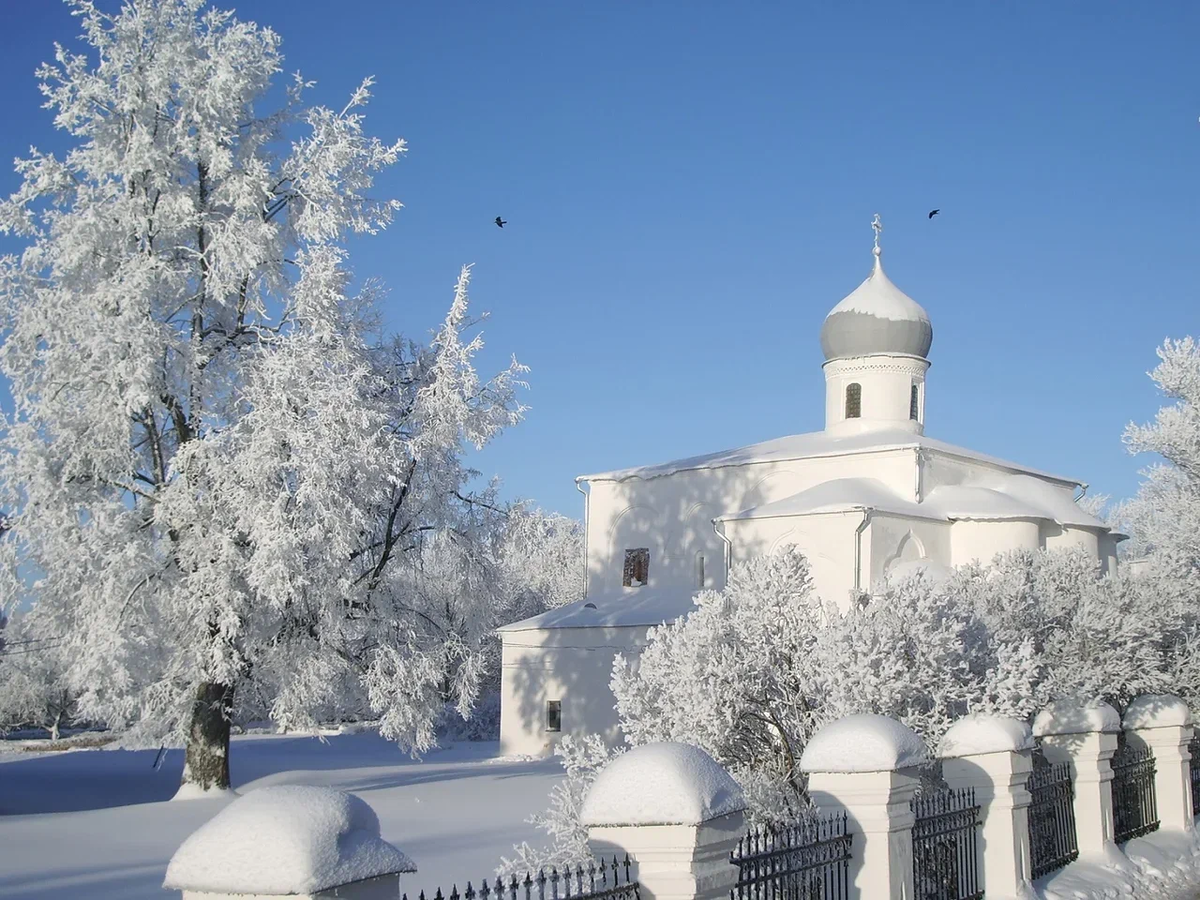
(863, 743)
(1071, 717)
(285, 839)
(1157, 711)
(980, 733)
(661, 784)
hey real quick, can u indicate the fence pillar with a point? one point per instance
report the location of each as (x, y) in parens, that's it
(323, 844)
(864, 765)
(1164, 724)
(1086, 738)
(991, 755)
(676, 813)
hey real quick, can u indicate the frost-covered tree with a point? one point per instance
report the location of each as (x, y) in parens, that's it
(1163, 520)
(755, 669)
(34, 689)
(540, 561)
(219, 474)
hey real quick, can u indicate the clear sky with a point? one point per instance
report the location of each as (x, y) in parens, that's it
(689, 188)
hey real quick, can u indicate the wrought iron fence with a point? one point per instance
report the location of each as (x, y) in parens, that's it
(599, 880)
(809, 861)
(1052, 839)
(945, 845)
(1194, 749)
(1135, 807)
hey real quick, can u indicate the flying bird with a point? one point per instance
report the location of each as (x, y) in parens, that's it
(500, 223)
(933, 212)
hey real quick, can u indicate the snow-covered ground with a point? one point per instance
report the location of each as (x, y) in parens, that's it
(98, 824)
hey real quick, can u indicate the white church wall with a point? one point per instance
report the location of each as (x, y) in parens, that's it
(1056, 537)
(570, 665)
(896, 539)
(1108, 553)
(980, 540)
(827, 540)
(671, 515)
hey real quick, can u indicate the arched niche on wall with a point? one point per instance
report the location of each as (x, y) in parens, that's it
(909, 549)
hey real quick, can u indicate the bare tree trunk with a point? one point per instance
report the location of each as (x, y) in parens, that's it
(207, 761)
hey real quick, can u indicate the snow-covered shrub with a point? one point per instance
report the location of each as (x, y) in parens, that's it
(755, 669)
(1093, 636)
(583, 758)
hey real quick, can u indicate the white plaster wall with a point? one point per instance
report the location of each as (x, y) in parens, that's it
(1055, 537)
(572, 665)
(886, 383)
(897, 539)
(980, 540)
(1108, 553)
(672, 514)
(827, 540)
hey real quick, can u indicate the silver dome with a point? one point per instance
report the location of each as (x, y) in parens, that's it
(877, 317)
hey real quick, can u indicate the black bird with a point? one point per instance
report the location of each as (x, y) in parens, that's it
(500, 222)
(934, 212)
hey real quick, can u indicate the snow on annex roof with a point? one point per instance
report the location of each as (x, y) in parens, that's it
(814, 444)
(622, 609)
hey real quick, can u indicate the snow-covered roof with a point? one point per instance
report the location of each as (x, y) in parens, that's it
(876, 317)
(1008, 497)
(838, 495)
(661, 784)
(285, 839)
(648, 605)
(865, 742)
(814, 444)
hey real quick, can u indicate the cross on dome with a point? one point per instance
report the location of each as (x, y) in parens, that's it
(876, 318)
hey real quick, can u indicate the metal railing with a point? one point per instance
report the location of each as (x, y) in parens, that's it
(599, 880)
(1135, 807)
(809, 861)
(1053, 842)
(946, 846)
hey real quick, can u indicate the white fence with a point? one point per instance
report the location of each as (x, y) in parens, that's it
(1016, 802)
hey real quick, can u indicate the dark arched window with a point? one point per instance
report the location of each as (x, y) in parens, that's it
(853, 400)
(914, 405)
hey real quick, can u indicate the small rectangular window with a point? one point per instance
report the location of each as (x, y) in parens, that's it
(914, 404)
(637, 567)
(554, 715)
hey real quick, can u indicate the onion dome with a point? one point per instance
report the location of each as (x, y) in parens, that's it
(877, 317)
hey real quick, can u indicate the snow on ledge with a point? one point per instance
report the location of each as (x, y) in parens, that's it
(863, 743)
(981, 733)
(285, 839)
(1069, 717)
(1157, 711)
(661, 784)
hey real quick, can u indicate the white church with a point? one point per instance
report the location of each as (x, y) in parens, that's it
(868, 496)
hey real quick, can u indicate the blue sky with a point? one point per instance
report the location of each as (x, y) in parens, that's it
(689, 189)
